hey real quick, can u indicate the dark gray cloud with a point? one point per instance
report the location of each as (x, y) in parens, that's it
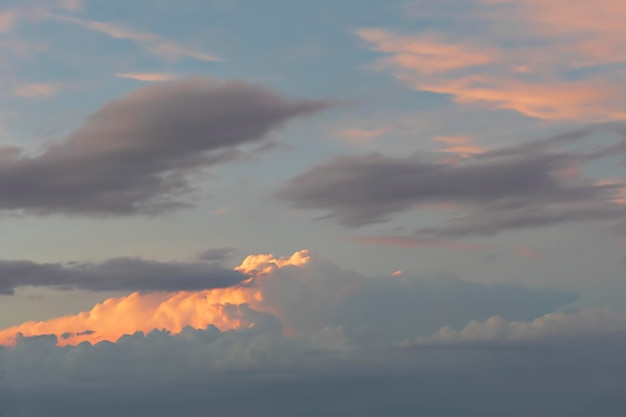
(120, 274)
(216, 254)
(512, 187)
(259, 372)
(136, 154)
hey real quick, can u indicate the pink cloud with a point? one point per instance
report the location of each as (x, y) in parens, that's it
(495, 70)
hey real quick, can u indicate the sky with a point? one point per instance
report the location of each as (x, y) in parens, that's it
(354, 207)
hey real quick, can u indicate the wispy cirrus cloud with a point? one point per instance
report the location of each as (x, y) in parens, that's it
(154, 43)
(147, 76)
(37, 90)
(547, 60)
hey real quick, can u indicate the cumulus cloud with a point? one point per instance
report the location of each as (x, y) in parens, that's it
(499, 189)
(120, 274)
(554, 329)
(136, 154)
(242, 372)
(307, 325)
(304, 292)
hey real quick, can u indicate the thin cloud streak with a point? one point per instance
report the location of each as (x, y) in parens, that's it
(147, 76)
(153, 42)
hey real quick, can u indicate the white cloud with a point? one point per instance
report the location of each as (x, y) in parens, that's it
(153, 42)
(559, 328)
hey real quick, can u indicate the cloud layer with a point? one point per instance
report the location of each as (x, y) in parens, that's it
(304, 292)
(121, 274)
(558, 60)
(137, 153)
(535, 184)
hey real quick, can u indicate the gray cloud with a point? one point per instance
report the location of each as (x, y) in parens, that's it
(216, 254)
(136, 154)
(120, 274)
(513, 187)
(243, 372)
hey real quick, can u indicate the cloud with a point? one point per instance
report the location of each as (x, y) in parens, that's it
(303, 292)
(500, 189)
(316, 327)
(216, 254)
(518, 56)
(136, 154)
(147, 76)
(8, 20)
(426, 54)
(414, 242)
(37, 90)
(554, 329)
(120, 274)
(459, 145)
(154, 43)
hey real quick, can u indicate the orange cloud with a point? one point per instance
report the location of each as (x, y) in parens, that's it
(591, 101)
(591, 33)
(360, 135)
(39, 90)
(459, 145)
(425, 54)
(525, 252)
(8, 20)
(147, 76)
(138, 312)
(526, 77)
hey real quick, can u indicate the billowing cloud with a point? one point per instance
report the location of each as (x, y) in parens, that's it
(121, 274)
(496, 190)
(305, 294)
(136, 153)
(554, 329)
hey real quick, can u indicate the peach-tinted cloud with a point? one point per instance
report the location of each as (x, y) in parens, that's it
(520, 58)
(412, 242)
(221, 211)
(356, 135)
(37, 90)
(526, 252)
(154, 43)
(424, 54)
(147, 76)
(588, 100)
(621, 191)
(138, 312)
(72, 4)
(8, 20)
(589, 33)
(462, 146)
(397, 273)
